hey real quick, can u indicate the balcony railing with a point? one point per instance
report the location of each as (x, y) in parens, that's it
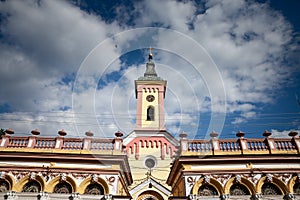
(63, 143)
(240, 145)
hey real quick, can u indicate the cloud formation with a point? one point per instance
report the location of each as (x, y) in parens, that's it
(44, 45)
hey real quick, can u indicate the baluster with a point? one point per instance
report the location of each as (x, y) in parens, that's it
(234, 146)
(283, 144)
(259, 146)
(279, 146)
(287, 145)
(226, 146)
(252, 146)
(221, 146)
(292, 147)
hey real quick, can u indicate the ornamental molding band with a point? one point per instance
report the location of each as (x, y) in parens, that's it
(190, 181)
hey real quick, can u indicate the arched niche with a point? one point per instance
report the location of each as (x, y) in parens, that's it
(275, 181)
(243, 182)
(207, 190)
(238, 189)
(54, 182)
(270, 189)
(88, 181)
(7, 181)
(296, 188)
(4, 185)
(212, 182)
(150, 195)
(26, 179)
(32, 186)
(63, 187)
(94, 189)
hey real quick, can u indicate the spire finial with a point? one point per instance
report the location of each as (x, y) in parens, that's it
(150, 54)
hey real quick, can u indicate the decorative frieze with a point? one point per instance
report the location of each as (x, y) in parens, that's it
(190, 181)
(222, 178)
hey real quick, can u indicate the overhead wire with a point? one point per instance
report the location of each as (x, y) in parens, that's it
(267, 119)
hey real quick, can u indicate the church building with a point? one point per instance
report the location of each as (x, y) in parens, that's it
(149, 163)
(150, 148)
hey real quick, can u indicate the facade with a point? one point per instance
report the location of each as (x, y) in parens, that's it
(242, 168)
(150, 148)
(63, 168)
(149, 163)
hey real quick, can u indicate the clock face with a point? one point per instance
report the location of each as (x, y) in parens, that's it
(150, 98)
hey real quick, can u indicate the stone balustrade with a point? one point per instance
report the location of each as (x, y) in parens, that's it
(241, 145)
(8, 141)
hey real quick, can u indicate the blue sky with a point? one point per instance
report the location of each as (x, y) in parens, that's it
(230, 65)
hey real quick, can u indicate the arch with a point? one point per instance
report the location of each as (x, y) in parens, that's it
(270, 189)
(94, 189)
(278, 183)
(51, 185)
(244, 182)
(22, 182)
(32, 186)
(63, 187)
(207, 190)
(150, 113)
(88, 181)
(149, 195)
(212, 182)
(10, 180)
(296, 188)
(238, 189)
(291, 184)
(4, 185)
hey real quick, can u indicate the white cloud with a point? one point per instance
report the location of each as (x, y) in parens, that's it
(169, 13)
(243, 39)
(282, 134)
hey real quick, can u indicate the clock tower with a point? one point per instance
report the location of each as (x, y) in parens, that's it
(150, 147)
(150, 92)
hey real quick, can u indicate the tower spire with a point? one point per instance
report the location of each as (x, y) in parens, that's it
(150, 92)
(150, 54)
(150, 73)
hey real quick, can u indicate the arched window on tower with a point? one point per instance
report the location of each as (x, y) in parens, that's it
(150, 113)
